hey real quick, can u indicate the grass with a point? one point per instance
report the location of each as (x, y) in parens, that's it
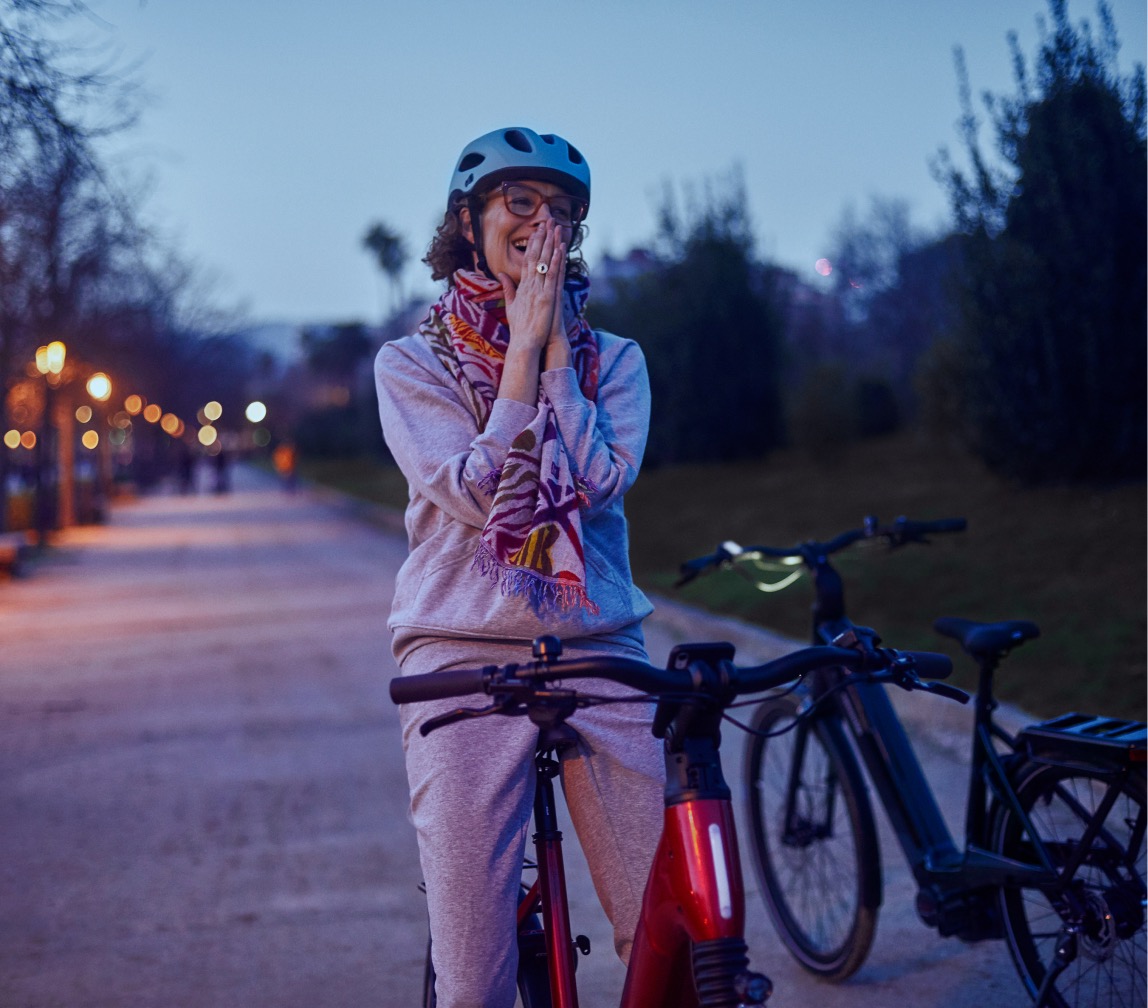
(1070, 559)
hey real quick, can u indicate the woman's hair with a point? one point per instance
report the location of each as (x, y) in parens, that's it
(451, 250)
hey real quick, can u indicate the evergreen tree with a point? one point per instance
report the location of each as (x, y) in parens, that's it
(1052, 311)
(708, 328)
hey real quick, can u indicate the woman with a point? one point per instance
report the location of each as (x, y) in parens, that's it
(518, 429)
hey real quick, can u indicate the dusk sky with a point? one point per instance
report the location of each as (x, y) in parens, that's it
(276, 132)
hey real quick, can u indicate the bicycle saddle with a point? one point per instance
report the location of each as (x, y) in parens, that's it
(987, 640)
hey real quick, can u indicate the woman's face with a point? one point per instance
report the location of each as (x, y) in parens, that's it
(505, 233)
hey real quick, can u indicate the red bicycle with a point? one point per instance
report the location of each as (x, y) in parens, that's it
(689, 950)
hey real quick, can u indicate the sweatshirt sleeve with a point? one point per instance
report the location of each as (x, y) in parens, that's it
(433, 436)
(605, 440)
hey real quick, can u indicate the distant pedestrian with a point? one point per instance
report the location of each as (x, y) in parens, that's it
(285, 462)
(222, 461)
(506, 387)
(185, 467)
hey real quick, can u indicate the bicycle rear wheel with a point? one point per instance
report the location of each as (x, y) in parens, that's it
(1100, 905)
(814, 840)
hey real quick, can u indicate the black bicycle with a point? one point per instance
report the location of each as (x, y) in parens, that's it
(1054, 856)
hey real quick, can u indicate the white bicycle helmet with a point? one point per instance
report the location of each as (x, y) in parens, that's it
(517, 152)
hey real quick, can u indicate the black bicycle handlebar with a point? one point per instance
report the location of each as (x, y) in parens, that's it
(905, 668)
(898, 533)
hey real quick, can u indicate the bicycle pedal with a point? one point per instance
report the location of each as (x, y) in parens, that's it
(582, 944)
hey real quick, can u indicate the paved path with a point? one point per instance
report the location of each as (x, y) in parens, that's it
(202, 800)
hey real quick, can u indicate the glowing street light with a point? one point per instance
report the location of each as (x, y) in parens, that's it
(50, 363)
(100, 387)
(50, 358)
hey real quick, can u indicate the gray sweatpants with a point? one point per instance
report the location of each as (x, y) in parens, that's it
(472, 790)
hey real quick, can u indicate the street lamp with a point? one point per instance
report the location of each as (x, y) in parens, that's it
(99, 387)
(50, 363)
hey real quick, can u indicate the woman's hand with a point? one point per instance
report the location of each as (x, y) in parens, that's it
(534, 315)
(534, 303)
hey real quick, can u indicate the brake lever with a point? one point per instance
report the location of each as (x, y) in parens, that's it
(685, 577)
(944, 690)
(903, 674)
(507, 707)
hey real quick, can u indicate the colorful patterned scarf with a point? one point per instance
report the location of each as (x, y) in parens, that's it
(531, 545)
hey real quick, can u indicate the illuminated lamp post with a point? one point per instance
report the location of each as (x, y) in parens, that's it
(50, 363)
(99, 387)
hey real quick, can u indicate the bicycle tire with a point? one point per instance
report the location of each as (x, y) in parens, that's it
(533, 979)
(821, 881)
(1103, 897)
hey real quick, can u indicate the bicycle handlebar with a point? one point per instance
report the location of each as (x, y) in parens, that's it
(904, 668)
(898, 533)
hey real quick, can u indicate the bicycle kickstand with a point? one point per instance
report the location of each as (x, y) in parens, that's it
(1063, 956)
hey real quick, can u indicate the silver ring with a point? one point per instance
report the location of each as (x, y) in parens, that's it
(542, 268)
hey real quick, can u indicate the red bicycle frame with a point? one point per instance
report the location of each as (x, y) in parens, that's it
(694, 899)
(690, 937)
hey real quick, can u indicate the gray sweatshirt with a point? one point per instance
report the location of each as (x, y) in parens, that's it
(443, 455)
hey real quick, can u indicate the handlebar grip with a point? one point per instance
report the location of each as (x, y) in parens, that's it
(931, 665)
(437, 685)
(692, 568)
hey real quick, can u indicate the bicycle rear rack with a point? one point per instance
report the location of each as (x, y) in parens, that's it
(1086, 738)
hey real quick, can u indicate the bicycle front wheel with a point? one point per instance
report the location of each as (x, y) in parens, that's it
(1092, 825)
(814, 840)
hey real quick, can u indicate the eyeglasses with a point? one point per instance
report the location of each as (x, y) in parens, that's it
(523, 201)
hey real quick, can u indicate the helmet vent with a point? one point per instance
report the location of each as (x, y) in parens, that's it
(472, 160)
(517, 140)
(575, 154)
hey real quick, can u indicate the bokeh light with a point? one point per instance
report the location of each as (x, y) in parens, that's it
(823, 266)
(134, 404)
(152, 413)
(256, 412)
(172, 424)
(213, 411)
(83, 414)
(12, 439)
(99, 386)
(208, 435)
(90, 439)
(28, 440)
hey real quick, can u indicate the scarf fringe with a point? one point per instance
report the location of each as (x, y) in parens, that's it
(542, 593)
